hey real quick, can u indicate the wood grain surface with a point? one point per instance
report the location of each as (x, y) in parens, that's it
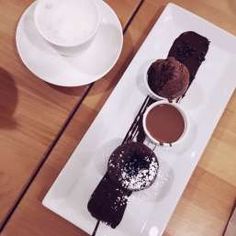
(207, 201)
(32, 113)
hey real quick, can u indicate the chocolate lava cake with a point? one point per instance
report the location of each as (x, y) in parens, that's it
(131, 167)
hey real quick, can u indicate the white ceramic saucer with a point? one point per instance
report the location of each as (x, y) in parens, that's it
(84, 66)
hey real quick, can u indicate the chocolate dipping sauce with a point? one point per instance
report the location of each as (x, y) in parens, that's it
(165, 123)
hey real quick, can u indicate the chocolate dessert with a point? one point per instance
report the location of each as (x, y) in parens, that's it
(131, 167)
(168, 78)
(190, 49)
(109, 200)
(165, 123)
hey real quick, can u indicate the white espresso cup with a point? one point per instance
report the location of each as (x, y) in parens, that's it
(67, 23)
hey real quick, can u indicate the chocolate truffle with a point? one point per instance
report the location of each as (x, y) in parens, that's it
(134, 166)
(168, 78)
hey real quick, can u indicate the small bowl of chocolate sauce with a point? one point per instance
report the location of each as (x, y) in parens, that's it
(165, 123)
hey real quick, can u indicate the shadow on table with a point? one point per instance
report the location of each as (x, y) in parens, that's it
(8, 100)
(72, 91)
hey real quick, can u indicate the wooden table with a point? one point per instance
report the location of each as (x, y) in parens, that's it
(40, 125)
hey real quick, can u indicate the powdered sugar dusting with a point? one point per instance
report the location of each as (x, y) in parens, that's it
(119, 202)
(134, 166)
(143, 179)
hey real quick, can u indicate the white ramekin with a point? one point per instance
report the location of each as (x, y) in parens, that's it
(182, 112)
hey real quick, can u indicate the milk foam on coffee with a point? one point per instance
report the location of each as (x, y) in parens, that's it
(66, 22)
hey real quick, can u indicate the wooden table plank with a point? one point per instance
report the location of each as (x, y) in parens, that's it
(32, 113)
(204, 207)
(223, 141)
(207, 201)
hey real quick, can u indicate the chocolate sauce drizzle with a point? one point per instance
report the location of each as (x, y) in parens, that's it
(190, 49)
(96, 228)
(136, 129)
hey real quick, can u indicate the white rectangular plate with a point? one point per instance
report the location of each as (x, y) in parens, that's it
(148, 212)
